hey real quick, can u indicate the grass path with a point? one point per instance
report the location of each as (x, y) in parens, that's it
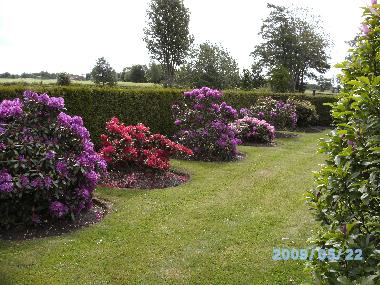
(219, 228)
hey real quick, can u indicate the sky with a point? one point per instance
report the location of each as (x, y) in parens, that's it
(68, 36)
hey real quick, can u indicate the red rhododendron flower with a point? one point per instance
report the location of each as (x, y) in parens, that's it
(130, 153)
(108, 149)
(142, 128)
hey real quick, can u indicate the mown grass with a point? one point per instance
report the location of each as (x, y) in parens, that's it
(219, 228)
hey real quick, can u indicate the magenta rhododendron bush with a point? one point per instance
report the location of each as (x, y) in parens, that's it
(203, 122)
(136, 147)
(48, 166)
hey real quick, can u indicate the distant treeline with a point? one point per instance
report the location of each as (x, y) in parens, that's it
(43, 75)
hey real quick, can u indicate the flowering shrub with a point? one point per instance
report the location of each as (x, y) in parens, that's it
(48, 167)
(280, 114)
(135, 146)
(203, 122)
(346, 195)
(253, 130)
(306, 112)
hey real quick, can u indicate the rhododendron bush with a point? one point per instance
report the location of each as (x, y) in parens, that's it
(48, 167)
(135, 146)
(253, 130)
(306, 112)
(203, 120)
(282, 115)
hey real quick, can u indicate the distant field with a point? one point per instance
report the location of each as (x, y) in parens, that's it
(327, 92)
(53, 81)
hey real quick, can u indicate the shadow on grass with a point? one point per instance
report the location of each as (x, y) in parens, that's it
(4, 279)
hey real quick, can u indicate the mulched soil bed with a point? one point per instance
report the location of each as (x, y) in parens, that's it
(94, 215)
(139, 179)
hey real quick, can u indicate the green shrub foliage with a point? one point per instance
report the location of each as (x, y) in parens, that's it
(346, 199)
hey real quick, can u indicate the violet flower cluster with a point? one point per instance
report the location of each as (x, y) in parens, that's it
(6, 183)
(203, 122)
(47, 158)
(44, 99)
(10, 108)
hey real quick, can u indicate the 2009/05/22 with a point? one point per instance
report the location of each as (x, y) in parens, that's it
(330, 254)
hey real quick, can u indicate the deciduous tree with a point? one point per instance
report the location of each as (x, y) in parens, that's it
(103, 73)
(167, 34)
(295, 40)
(212, 66)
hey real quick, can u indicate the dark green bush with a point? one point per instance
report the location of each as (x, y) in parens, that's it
(346, 196)
(150, 106)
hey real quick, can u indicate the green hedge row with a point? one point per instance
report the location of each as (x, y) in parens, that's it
(151, 106)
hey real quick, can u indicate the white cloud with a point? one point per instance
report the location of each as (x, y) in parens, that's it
(70, 35)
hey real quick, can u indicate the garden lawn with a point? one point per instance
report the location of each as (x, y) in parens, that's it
(219, 228)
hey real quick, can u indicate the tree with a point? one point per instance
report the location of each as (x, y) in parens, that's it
(63, 78)
(167, 34)
(154, 73)
(246, 80)
(212, 66)
(137, 73)
(125, 74)
(324, 83)
(252, 78)
(294, 40)
(281, 80)
(103, 73)
(5, 75)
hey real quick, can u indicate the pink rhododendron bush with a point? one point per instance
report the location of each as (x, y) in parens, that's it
(48, 166)
(253, 130)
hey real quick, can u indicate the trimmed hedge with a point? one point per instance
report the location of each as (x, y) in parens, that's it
(150, 106)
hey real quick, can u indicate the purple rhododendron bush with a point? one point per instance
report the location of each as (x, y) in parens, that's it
(48, 166)
(203, 120)
(282, 115)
